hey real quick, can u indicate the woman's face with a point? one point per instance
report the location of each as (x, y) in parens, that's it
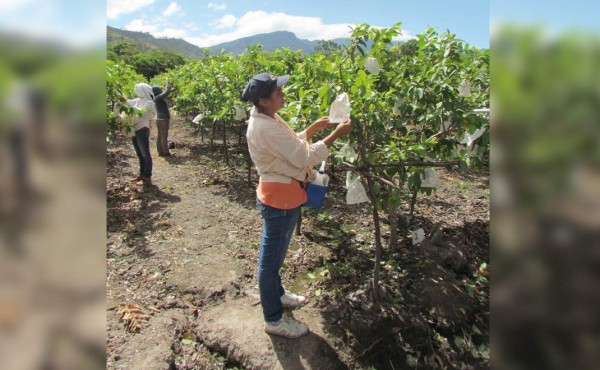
(276, 99)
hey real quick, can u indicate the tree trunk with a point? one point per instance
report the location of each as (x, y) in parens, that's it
(413, 201)
(299, 222)
(226, 152)
(377, 234)
(393, 228)
(371, 193)
(240, 133)
(212, 137)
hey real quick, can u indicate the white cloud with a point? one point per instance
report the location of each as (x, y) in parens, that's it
(310, 28)
(256, 22)
(45, 21)
(249, 24)
(114, 8)
(226, 21)
(192, 26)
(156, 29)
(141, 25)
(171, 32)
(403, 37)
(217, 6)
(171, 9)
(12, 5)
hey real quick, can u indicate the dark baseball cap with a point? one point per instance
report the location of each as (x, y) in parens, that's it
(261, 86)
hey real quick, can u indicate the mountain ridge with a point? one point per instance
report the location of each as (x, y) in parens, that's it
(270, 42)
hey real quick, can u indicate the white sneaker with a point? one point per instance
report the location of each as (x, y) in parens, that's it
(286, 327)
(290, 300)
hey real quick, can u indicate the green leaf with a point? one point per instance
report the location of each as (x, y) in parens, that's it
(420, 93)
(187, 341)
(318, 292)
(323, 91)
(459, 341)
(311, 275)
(471, 289)
(361, 78)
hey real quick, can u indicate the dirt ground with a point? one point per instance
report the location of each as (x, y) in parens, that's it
(181, 276)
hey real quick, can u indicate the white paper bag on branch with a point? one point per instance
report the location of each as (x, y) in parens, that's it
(197, 119)
(340, 109)
(398, 104)
(240, 113)
(348, 153)
(372, 65)
(431, 179)
(464, 90)
(470, 138)
(356, 191)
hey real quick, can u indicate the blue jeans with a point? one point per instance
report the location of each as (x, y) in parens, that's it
(141, 144)
(278, 226)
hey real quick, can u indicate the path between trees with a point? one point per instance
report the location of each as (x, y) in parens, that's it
(181, 272)
(191, 253)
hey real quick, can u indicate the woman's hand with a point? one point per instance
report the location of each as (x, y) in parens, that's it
(344, 128)
(321, 124)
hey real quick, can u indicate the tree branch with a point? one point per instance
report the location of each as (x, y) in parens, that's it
(422, 163)
(362, 172)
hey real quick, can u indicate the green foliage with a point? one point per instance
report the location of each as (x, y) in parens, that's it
(122, 51)
(410, 48)
(152, 64)
(399, 110)
(120, 81)
(148, 64)
(327, 47)
(547, 91)
(26, 58)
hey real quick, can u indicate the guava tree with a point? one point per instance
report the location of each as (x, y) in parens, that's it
(410, 111)
(120, 80)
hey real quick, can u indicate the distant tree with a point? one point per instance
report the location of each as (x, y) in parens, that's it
(156, 62)
(410, 48)
(205, 54)
(326, 46)
(146, 63)
(122, 51)
(111, 55)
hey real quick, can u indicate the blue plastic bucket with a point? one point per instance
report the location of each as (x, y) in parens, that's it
(315, 195)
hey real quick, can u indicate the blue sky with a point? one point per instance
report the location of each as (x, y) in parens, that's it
(557, 15)
(206, 23)
(76, 23)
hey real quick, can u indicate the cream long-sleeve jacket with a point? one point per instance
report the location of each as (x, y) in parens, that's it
(148, 109)
(278, 153)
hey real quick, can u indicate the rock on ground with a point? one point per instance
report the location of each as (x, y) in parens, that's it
(236, 329)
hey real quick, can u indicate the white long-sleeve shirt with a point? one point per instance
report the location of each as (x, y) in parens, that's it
(278, 153)
(149, 112)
